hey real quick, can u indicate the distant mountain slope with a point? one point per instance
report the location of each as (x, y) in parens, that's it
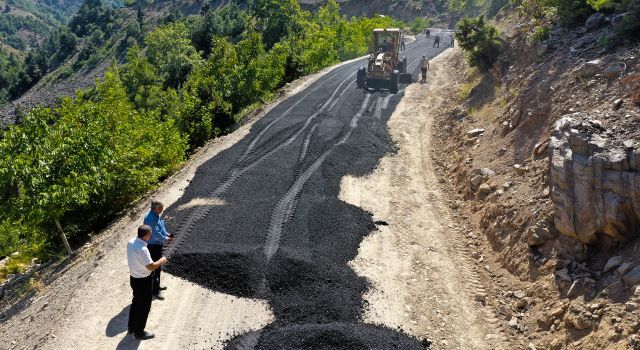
(25, 23)
(405, 9)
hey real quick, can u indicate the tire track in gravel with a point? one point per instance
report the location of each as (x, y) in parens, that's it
(286, 112)
(305, 145)
(285, 207)
(198, 213)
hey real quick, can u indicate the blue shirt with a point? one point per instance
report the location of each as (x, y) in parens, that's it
(159, 235)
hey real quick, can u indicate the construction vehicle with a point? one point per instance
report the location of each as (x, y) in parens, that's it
(385, 68)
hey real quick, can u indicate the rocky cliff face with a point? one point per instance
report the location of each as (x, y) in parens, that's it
(595, 179)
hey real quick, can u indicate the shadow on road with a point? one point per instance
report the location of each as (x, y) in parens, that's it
(128, 343)
(118, 323)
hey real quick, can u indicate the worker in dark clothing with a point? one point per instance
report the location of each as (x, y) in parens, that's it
(402, 43)
(452, 40)
(385, 46)
(159, 237)
(424, 67)
(436, 41)
(427, 32)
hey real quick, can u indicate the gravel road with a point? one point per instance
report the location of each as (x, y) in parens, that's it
(282, 235)
(267, 250)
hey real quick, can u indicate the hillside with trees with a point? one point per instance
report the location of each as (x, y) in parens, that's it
(69, 169)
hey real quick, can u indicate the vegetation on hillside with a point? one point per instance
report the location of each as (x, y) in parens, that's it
(482, 45)
(480, 40)
(86, 35)
(183, 83)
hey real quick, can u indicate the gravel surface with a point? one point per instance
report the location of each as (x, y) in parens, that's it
(276, 230)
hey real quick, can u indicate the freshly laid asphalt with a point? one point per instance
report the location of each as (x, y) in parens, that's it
(281, 234)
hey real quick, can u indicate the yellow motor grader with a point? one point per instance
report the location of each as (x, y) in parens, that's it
(385, 69)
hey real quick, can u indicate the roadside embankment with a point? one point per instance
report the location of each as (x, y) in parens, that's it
(541, 153)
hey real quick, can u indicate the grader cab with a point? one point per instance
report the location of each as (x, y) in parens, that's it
(385, 69)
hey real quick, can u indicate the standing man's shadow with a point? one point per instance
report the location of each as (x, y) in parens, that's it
(118, 325)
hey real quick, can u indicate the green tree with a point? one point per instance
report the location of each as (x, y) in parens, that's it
(229, 21)
(170, 50)
(207, 95)
(141, 80)
(419, 24)
(573, 13)
(276, 19)
(94, 153)
(480, 41)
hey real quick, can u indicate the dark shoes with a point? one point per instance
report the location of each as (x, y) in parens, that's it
(163, 288)
(144, 335)
(158, 297)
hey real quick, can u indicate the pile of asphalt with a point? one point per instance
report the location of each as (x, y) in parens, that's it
(330, 336)
(317, 299)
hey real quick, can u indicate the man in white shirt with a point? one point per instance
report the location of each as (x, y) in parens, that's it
(140, 268)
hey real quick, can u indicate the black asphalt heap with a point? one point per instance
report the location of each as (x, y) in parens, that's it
(282, 234)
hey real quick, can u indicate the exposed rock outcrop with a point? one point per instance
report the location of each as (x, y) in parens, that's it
(595, 186)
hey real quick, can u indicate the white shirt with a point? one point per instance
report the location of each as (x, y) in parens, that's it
(138, 257)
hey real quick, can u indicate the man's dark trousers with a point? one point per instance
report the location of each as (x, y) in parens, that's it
(140, 305)
(156, 253)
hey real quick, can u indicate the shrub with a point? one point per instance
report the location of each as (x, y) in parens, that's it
(480, 40)
(541, 34)
(573, 13)
(629, 29)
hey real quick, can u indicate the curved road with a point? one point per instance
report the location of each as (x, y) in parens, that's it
(272, 226)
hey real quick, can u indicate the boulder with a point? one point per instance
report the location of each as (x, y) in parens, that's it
(595, 20)
(539, 235)
(476, 181)
(487, 172)
(594, 188)
(612, 263)
(540, 147)
(617, 104)
(563, 274)
(519, 169)
(588, 69)
(612, 72)
(542, 49)
(629, 144)
(632, 277)
(616, 19)
(481, 297)
(579, 322)
(513, 322)
(475, 132)
(624, 268)
(484, 189)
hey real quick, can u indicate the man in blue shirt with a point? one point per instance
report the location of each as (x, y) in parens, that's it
(158, 238)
